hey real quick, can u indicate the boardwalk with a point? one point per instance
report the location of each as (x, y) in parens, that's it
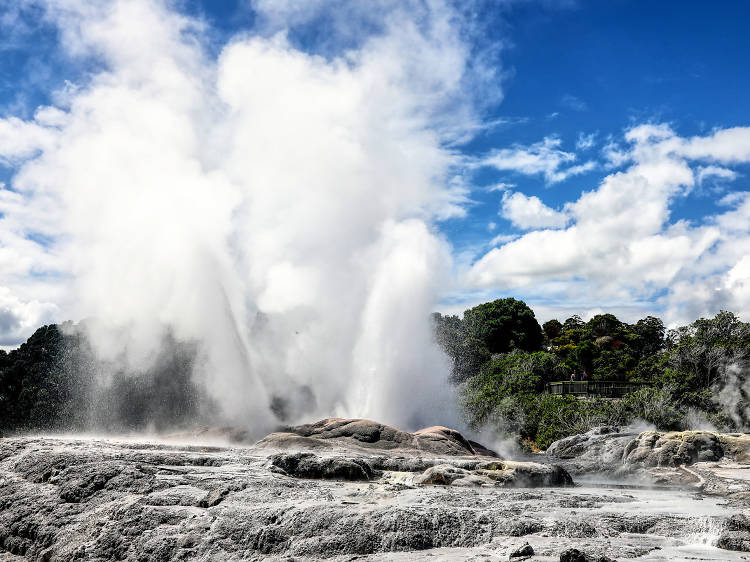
(606, 389)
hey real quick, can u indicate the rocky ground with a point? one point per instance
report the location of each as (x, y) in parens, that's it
(352, 489)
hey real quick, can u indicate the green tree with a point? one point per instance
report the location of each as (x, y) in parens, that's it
(468, 359)
(551, 329)
(650, 334)
(503, 325)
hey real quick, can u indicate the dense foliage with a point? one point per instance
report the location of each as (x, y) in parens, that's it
(502, 362)
(696, 374)
(53, 383)
(494, 327)
(35, 389)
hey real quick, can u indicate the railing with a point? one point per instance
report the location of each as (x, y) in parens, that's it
(607, 389)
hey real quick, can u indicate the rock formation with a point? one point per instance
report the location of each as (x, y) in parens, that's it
(612, 449)
(352, 489)
(368, 436)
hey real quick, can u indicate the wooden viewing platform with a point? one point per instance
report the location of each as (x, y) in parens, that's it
(606, 389)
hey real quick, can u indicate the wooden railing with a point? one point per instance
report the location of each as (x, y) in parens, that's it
(606, 389)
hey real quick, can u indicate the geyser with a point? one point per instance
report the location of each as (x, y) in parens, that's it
(272, 207)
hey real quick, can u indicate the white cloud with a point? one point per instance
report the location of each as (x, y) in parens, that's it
(572, 102)
(706, 172)
(528, 212)
(502, 239)
(542, 158)
(585, 141)
(22, 139)
(18, 317)
(502, 186)
(621, 243)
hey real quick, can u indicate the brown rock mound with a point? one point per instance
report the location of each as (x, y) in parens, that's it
(370, 436)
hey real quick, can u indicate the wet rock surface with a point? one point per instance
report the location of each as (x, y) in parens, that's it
(575, 555)
(736, 534)
(84, 499)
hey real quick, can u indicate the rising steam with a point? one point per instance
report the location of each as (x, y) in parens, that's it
(272, 207)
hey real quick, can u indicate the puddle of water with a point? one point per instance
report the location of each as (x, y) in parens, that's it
(693, 552)
(657, 500)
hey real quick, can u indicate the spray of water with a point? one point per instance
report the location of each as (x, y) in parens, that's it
(273, 208)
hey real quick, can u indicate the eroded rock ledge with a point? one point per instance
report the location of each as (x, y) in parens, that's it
(68, 499)
(615, 448)
(353, 449)
(708, 462)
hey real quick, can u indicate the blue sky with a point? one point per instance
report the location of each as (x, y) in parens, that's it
(596, 68)
(534, 104)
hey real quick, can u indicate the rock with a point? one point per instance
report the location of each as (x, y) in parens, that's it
(480, 449)
(155, 501)
(575, 555)
(309, 465)
(652, 448)
(525, 474)
(443, 441)
(736, 534)
(498, 473)
(442, 474)
(598, 450)
(525, 551)
(214, 497)
(612, 449)
(734, 540)
(736, 446)
(366, 435)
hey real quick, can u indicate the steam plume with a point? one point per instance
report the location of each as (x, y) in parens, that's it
(273, 206)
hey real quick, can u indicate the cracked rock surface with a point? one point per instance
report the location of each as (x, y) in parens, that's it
(97, 499)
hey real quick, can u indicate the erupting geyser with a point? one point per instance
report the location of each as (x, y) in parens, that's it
(272, 207)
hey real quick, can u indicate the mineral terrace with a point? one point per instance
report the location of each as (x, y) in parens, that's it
(359, 490)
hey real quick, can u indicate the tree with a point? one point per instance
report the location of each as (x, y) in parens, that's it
(449, 332)
(702, 352)
(552, 329)
(469, 357)
(573, 323)
(503, 325)
(650, 336)
(604, 325)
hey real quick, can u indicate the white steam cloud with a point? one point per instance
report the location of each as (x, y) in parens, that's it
(272, 205)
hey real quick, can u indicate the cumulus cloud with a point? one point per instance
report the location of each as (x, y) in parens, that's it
(502, 239)
(18, 317)
(21, 139)
(543, 158)
(274, 205)
(528, 212)
(621, 244)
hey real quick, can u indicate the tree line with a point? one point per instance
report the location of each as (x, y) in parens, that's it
(502, 360)
(55, 382)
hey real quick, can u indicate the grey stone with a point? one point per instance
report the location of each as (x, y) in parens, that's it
(524, 551)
